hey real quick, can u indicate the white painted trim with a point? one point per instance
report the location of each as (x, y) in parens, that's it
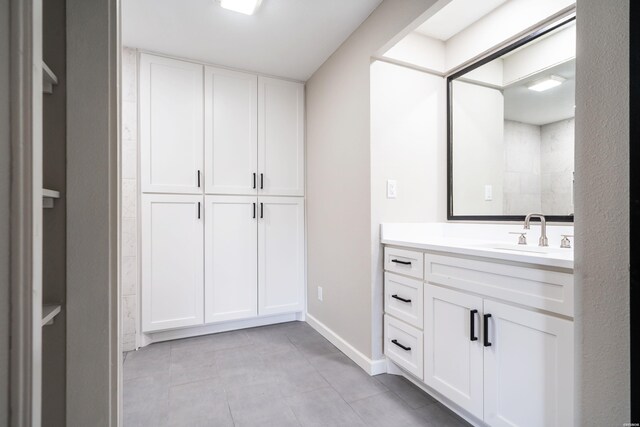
(174, 334)
(372, 367)
(397, 370)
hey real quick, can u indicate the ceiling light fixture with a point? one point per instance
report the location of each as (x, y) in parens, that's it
(546, 83)
(248, 7)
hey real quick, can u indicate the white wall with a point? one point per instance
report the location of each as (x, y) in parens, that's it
(522, 185)
(557, 145)
(502, 24)
(602, 214)
(93, 356)
(408, 136)
(478, 155)
(339, 176)
(5, 155)
(420, 50)
(129, 261)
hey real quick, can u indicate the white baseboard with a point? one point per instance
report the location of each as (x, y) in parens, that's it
(195, 331)
(372, 367)
(397, 370)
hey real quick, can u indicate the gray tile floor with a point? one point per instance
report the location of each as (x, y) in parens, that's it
(279, 375)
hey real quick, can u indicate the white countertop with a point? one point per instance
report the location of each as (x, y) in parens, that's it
(482, 240)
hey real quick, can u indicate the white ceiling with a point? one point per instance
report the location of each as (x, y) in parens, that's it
(286, 38)
(456, 16)
(540, 108)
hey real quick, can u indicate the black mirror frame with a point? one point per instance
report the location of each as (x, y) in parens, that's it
(521, 42)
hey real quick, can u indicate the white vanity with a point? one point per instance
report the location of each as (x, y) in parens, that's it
(482, 323)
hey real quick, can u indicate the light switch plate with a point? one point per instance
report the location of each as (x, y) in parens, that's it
(488, 193)
(392, 189)
(320, 293)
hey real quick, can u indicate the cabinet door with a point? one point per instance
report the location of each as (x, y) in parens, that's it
(231, 258)
(231, 135)
(172, 261)
(171, 125)
(280, 137)
(528, 368)
(280, 255)
(452, 357)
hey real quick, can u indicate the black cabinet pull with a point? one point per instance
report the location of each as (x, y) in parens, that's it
(254, 180)
(397, 261)
(261, 210)
(400, 298)
(198, 179)
(261, 181)
(254, 211)
(198, 210)
(486, 330)
(472, 325)
(400, 345)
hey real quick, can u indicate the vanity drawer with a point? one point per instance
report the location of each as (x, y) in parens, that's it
(550, 290)
(403, 298)
(410, 263)
(403, 345)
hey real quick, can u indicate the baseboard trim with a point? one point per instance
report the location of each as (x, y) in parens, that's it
(397, 370)
(195, 331)
(372, 367)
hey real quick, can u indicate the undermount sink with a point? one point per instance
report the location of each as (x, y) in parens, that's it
(525, 248)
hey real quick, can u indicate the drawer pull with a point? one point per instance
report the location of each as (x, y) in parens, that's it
(486, 330)
(401, 346)
(472, 325)
(397, 261)
(400, 298)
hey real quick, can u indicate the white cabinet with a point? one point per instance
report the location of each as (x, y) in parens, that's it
(280, 137)
(528, 368)
(280, 255)
(231, 260)
(504, 363)
(171, 125)
(231, 136)
(172, 261)
(452, 350)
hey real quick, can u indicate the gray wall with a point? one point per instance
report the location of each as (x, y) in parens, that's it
(4, 211)
(92, 321)
(339, 176)
(602, 213)
(54, 220)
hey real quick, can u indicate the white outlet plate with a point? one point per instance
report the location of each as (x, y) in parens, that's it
(320, 293)
(392, 189)
(488, 193)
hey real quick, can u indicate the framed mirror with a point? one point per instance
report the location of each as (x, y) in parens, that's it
(511, 130)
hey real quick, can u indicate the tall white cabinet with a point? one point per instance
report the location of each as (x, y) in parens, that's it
(222, 181)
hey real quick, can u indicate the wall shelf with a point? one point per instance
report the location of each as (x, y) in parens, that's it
(49, 79)
(49, 312)
(48, 196)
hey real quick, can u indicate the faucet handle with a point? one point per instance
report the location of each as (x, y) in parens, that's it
(565, 243)
(522, 240)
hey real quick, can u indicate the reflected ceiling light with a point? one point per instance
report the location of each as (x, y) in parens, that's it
(546, 83)
(248, 7)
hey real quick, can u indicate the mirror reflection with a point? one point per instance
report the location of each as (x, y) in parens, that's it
(512, 131)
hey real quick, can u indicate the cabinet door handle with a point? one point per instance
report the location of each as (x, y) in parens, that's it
(397, 261)
(472, 325)
(401, 346)
(198, 210)
(254, 180)
(400, 298)
(261, 210)
(198, 178)
(262, 181)
(254, 211)
(486, 330)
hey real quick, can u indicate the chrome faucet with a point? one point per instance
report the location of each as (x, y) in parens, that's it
(543, 241)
